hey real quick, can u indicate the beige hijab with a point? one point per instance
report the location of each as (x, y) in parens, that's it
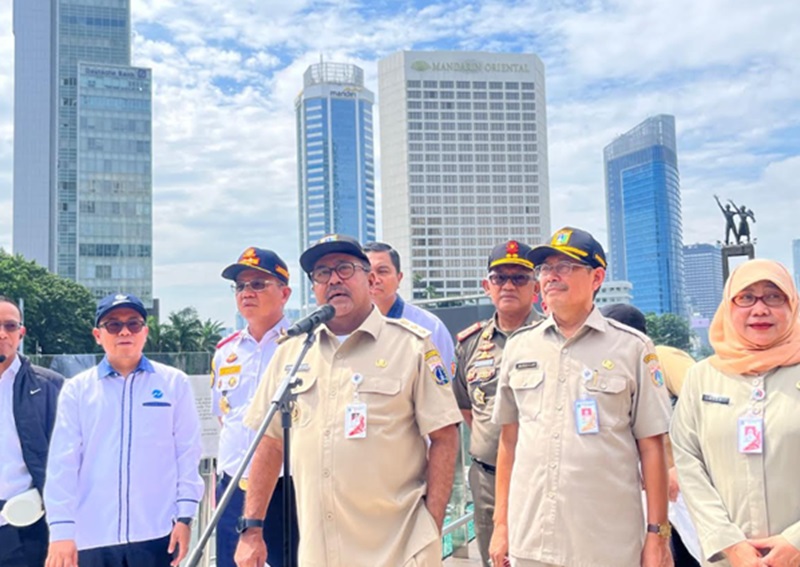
(734, 353)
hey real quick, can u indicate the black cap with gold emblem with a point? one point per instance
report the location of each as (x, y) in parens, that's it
(512, 252)
(573, 242)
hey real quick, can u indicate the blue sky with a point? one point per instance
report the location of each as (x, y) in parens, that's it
(226, 75)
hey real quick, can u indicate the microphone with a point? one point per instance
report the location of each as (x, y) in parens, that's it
(310, 322)
(3, 358)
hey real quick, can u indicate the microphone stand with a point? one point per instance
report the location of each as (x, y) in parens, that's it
(280, 401)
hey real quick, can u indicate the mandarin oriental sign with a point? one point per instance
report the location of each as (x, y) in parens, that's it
(470, 66)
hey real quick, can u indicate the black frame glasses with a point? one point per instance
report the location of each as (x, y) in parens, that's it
(135, 326)
(770, 299)
(562, 268)
(256, 285)
(345, 270)
(11, 326)
(518, 280)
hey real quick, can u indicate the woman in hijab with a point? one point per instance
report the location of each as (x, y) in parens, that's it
(736, 428)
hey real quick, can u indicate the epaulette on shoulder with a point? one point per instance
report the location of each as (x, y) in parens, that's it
(625, 328)
(529, 327)
(228, 339)
(421, 332)
(469, 331)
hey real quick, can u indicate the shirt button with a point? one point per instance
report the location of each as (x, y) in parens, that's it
(338, 356)
(551, 495)
(559, 407)
(326, 473)
(333, 393)
(327, 433)
(555, 435)
(553, 465)
(565, 351)
(329, 516)
(603, 386)
(562, 379)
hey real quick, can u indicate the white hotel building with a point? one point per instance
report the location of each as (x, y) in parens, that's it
(463, 162)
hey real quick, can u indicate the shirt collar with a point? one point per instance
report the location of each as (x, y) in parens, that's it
(13, 368)
(495, 327)
(396, 310)
(371, 325)
(270, 336)
(104, 368)
(595, 321)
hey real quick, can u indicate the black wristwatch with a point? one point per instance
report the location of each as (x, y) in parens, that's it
(245, 524)
(187, 521)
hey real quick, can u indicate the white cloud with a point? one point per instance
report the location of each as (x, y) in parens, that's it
(227, 74)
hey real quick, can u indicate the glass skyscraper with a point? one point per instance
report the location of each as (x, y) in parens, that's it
(644, 215)
(335, 157)
(82, 145)
(703, 278)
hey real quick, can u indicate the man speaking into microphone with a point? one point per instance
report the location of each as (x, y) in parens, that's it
(369, 491)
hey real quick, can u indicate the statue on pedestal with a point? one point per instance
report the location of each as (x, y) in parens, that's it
(730, 223)
(744, 227)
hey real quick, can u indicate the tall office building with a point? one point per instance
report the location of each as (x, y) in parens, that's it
(796, 261)
(335, 157)
(703, 278)
(82, 145)
(463, 162)
(644, 215)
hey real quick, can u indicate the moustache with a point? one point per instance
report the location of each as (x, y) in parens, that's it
(557, 286)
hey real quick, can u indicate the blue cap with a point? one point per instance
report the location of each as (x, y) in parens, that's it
(260, 260)
(118, 301)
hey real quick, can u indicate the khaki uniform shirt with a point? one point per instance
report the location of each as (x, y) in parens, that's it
(575, 499)
(360, 501)
(731, 495)
(478, 359)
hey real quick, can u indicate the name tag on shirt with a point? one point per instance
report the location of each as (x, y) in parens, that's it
(586, 420)
(355, 421)
(751, 435)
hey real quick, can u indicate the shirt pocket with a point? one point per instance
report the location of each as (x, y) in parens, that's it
(381, 395)
(156, 418)
(528, 387)
(306, 404)
(613, 400)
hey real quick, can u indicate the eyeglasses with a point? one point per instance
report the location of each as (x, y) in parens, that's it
(256, 285)
(344, 270)
(518, 280)
(11, 326)
(115, 327)
(560, 268)
(771, 299)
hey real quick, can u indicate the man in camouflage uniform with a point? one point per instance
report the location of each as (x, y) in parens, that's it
(512, 288)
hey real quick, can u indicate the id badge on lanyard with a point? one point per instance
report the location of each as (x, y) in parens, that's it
(751, 426)
(355, 414)
(587, 421)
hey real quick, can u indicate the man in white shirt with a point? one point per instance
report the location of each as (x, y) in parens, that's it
(122, 475)
(385, 262)
(28, 396)
(261, 284)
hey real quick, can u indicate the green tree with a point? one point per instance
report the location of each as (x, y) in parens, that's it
(669, 329)
(159, 337)
(185, 330)
(59, 313)
(211, 334)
